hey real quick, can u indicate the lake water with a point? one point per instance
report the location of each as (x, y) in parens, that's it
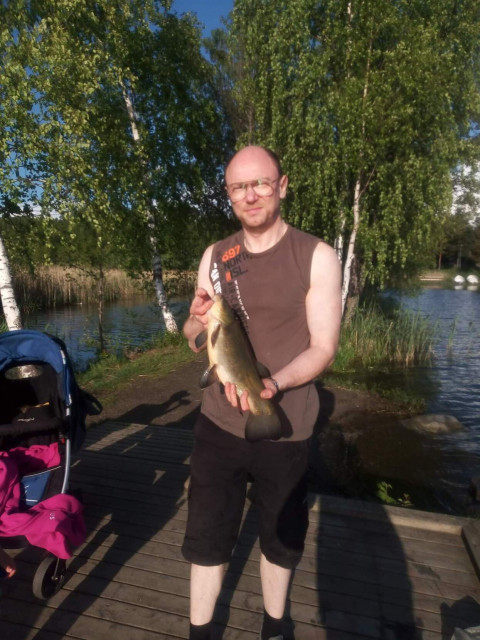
(127, 324)
(452, 386)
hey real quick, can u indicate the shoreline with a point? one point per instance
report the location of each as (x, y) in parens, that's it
(135, 399)
(359, 450)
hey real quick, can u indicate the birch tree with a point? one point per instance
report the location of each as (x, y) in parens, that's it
(125, 121)
(9, 303)
(16, 231)
(369, 105)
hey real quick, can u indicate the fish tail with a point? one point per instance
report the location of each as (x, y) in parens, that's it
(263, 427)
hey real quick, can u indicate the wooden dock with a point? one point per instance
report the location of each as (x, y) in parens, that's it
(368, 572)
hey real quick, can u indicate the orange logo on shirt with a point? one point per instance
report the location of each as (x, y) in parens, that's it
(231, 253)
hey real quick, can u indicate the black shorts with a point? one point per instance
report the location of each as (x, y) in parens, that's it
(221, 464)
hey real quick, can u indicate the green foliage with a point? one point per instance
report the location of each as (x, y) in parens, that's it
(460, 243)
(384, 495)
(368, 103)
(376, 338)
(70, 144)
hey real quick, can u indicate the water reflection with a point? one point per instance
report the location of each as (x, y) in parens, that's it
(127, 324)
(434, 469)
(456, 315)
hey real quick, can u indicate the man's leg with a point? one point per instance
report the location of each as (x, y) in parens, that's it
(280, 490)
(215, 506)
(205, 585)
(275, 581)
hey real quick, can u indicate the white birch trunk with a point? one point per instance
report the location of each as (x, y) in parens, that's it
(9, 304)
(358, 186)
(351, 244)
(160, 294)
(339, 240)
(157, 269)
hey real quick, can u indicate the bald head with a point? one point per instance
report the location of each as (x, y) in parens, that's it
(255, 155)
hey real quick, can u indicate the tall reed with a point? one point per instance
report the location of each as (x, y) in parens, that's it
(375, 338)
(53, 286)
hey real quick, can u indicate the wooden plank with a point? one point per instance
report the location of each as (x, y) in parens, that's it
(392, 558)
(415, 550)
(330, 574)
(368, 572)
(313, 554)
(471, 536)
(369, 511)
(178, 528)
(244, 609)
(139, 435)
(315, 614)
(11, 631)
(325, 520)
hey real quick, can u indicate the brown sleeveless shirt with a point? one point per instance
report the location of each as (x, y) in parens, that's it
(267, 291)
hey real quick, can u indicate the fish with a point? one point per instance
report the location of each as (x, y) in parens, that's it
(231, 359)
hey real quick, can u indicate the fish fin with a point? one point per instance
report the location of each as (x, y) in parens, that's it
(215, 332)
(208, 377)
(262, 370)
(263, 427)
(201, 339)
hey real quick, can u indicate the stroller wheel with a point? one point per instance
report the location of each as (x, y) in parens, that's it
(49, 577)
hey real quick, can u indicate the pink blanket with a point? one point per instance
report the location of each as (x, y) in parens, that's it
(55, 524)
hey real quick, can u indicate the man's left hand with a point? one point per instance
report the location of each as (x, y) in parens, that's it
(242, 400)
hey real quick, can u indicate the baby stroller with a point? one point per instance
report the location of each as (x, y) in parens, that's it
(42, 422)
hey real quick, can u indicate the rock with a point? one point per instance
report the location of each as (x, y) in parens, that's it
(433, 423)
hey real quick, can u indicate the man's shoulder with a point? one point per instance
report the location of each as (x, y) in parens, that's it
(303, 237)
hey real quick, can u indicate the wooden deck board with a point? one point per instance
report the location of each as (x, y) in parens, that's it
(368, 572)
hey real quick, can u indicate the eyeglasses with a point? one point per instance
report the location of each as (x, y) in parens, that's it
(261, 187)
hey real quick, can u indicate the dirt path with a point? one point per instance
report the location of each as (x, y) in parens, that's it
(176, 398)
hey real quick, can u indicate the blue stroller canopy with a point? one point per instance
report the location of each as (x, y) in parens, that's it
(26, 346)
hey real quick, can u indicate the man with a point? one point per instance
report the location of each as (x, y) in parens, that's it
(285, 287)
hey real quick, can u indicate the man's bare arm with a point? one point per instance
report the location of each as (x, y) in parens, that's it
(324, 315)
(201, 303)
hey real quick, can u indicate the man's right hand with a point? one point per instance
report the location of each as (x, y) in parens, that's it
(201, 303)
(198, 320)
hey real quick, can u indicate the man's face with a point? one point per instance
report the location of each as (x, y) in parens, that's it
(256, 212)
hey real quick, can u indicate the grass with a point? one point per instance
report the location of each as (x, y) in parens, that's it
(109, 374)
(378, 338)
(377, 348)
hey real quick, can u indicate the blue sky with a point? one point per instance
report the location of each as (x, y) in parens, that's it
(208, 12)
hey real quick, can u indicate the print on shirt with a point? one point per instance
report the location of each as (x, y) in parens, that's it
(227, 270)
